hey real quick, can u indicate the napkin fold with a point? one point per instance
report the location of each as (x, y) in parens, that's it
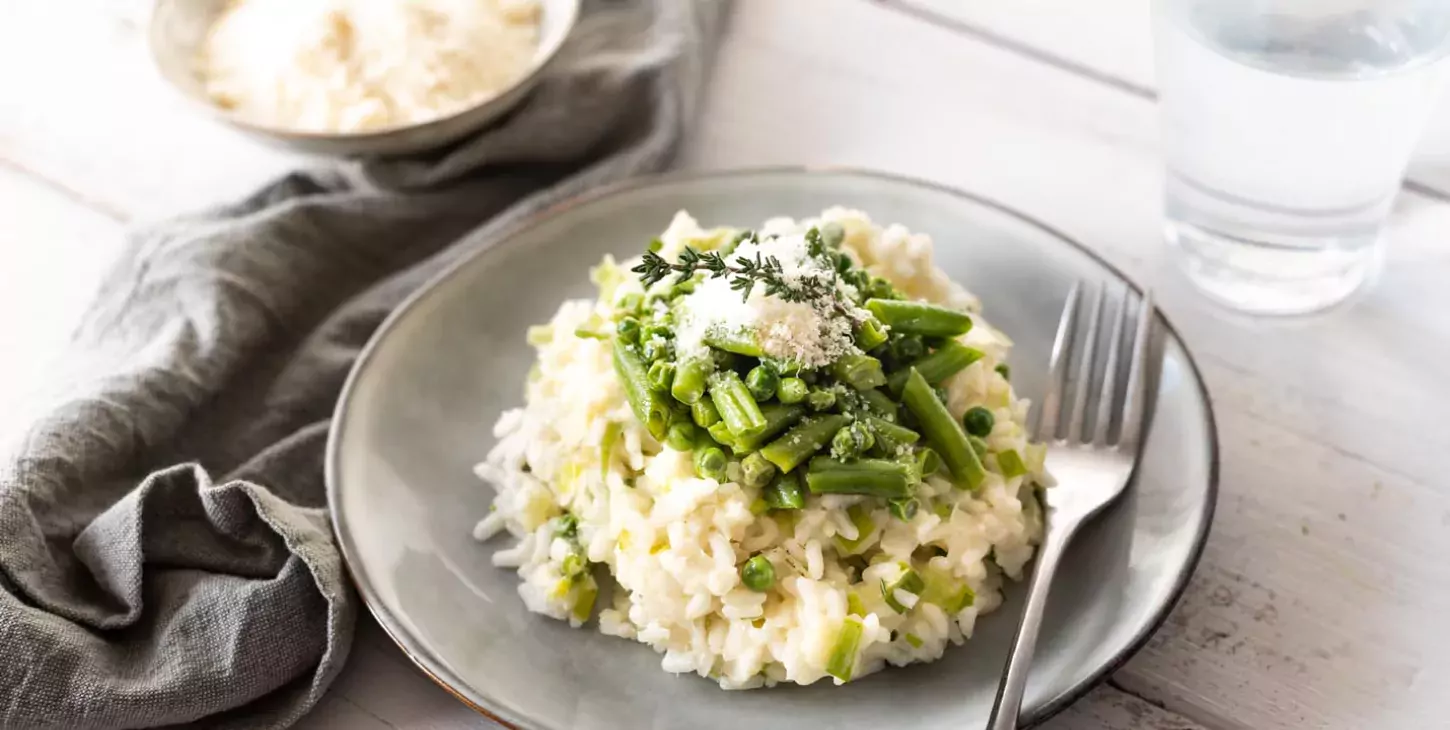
(165, 553)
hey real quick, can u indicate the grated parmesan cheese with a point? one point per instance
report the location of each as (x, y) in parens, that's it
(808, 333)
(358, 65)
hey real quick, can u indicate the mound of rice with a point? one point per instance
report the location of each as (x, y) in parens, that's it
(674, 543)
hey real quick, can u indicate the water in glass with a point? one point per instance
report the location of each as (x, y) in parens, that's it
(1287, 127)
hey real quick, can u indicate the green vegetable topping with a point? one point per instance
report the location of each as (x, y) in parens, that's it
(927, 462)
(661, 375)
(852, 441)
(762, 382)
(784, 492)
(833, 234)
(710, 463)
(801, 442)
(690, 379)
(756, 471)
(778, 418)
(978, 421)
(861, 372)
(920, 318)
(792, 391)
(648, 405)
(949, 359)
(874, 477)
(869, 335)
(703, 413)
(821, 399)
(737, 406)
(628, 330)
(979, 446)
(1004, 370)
(681, 436)
(942, 431)
(758, 574)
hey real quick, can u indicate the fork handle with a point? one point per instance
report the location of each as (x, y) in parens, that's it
(1008, 707)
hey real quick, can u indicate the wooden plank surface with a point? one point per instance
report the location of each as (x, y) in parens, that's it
(1321, 593)
(1112, 41)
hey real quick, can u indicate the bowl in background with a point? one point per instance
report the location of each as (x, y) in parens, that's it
(179, 27)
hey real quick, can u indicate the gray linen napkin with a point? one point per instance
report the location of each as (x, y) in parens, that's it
(165, 555)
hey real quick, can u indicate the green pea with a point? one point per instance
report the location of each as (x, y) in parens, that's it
(762, 382)
(681, 436)
(978, 421)
(852, 441)
(628, 329)
(758, 574)
(710, 463)
(792, 390)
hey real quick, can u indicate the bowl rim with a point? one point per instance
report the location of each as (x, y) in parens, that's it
(542, 61)
(1048, 709)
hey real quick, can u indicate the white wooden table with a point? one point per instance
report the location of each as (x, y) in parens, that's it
(1323, 599)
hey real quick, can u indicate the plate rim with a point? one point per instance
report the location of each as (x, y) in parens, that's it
(332, 455)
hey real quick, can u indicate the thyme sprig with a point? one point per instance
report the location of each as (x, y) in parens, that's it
(746, 272)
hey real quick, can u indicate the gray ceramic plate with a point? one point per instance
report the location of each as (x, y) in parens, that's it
(418, 410)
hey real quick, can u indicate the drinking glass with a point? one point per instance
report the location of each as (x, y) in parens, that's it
(1287, 126)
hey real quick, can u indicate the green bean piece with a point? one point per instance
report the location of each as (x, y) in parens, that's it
(710, 463)
(784, 492)
(852, 441)
(681, 436)
(833, 234)
(942, 432)
(978, 421)
(892, 437)
(880, 404)
(690, 379)
(721, 434)
(927, 462)
(861, 372)
(740, 342)
(949, 359)
(1004, 370)
(737, 406)
(872, 477)
(778, 418)
(661, 375)
(758, 574)
(821, 399)
(904, 508)
(842, 662)
(756, 471)
(801, 442)
(792, 390)
(648, 405)
(979, 446)
(870, 334)
(762, 382)
(703, 412)
(920, 318)
(1010, 462)
(628, 330)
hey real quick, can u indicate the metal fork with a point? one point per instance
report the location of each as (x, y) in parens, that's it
(1091, 467)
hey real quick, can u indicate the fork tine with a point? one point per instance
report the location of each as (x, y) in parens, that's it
(1107, 402)
(1047, 415)
(1135, 403)
(1085, 368)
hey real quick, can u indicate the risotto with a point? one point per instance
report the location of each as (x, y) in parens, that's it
(774, 455)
